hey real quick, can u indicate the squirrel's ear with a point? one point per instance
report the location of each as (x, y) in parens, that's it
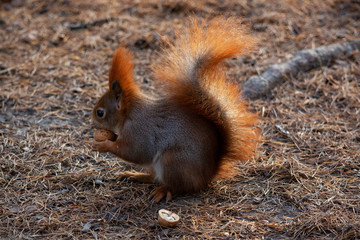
(117, 91)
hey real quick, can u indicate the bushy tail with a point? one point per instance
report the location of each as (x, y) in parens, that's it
(191, 69)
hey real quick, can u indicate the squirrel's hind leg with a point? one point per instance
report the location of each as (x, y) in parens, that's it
(179, 172)
(159, 193)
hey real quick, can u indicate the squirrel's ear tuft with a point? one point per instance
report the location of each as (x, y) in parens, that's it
(121, 80)
(121, 68)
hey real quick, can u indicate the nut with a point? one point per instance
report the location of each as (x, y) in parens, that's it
(101, 135)
(167, 218)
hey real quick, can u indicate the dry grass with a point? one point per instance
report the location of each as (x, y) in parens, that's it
(305, 183)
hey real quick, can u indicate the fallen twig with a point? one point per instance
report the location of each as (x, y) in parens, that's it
(82, 25)
(8, 70)
(303, 61)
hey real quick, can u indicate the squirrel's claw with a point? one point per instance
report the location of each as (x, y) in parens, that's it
(159, 193)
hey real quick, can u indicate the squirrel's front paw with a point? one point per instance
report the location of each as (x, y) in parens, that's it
(101, 146)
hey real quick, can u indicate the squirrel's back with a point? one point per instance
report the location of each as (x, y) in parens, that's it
(192, 73)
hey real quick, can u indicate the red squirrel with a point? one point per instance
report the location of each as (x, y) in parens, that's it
(198, 128)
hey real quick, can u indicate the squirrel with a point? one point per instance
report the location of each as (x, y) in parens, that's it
(199, 128)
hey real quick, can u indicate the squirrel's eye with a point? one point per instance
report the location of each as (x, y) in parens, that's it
(100, 113)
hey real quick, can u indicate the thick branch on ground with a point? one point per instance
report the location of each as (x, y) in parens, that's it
(303, 61)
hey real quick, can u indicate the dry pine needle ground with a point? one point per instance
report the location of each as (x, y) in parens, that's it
(54, 59)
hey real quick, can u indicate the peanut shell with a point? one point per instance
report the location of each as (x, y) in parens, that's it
(101, 135)
(167, 218)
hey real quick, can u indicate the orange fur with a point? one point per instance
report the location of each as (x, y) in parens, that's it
(191, 69)
(122, 71)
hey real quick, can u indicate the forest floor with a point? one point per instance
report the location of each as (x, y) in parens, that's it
(54, 63)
